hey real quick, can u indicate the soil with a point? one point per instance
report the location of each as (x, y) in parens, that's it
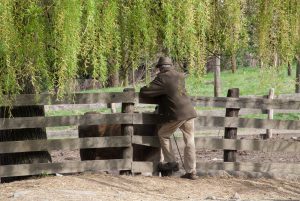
(108, 187)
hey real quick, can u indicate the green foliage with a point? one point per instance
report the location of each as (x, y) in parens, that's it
(66, 31)
(278, 29)
(45, 45)
(8, 46)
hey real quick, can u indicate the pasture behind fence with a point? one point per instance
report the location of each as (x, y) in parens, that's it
(128, 119)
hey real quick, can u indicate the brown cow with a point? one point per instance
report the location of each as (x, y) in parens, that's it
(140, 153)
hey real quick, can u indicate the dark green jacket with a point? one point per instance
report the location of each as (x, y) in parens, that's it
(169, 89)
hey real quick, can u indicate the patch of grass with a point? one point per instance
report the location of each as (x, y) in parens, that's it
(255, 116)
(277, 116)
(289, 116)
(250, 81)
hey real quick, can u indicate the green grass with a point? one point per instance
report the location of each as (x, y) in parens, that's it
(250, 81)
(277, 116)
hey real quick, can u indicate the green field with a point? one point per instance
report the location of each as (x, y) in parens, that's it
(250, 81)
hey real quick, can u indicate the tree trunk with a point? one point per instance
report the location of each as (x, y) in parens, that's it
(217, 77)
(114, 79)
(133, 77)
(148, 72)
(289, 69)
(275, 64)
(233, 63)
(298, 75)
(22, 135)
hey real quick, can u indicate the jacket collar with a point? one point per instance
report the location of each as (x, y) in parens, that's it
(167, 69)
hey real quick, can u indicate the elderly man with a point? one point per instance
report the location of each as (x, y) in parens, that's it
(168, 88)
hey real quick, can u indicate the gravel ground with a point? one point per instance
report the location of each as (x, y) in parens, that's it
(108, 187)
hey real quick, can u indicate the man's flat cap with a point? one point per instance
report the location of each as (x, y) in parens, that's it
(164, 61)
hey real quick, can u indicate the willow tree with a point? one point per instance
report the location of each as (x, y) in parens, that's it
(235, 35)
(215, 37)
(294, 14)
(24, 70)
(137, 34)
(277, 32)
(181, 32)
(66, 42)
(99, 57)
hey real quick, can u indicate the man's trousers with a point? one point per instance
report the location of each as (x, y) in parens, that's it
(187, 128)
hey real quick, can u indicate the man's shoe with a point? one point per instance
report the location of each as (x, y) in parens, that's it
(191, 176)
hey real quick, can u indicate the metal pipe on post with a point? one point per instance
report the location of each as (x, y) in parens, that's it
(231, 132)
(127, 129)
(270, 114)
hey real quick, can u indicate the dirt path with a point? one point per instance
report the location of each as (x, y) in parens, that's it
(110, 188)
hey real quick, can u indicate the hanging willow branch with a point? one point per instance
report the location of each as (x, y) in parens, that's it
(47, 44)
(66, 31)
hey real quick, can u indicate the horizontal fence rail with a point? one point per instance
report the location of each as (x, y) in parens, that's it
(231, 144)
(76, 98)
(70, 167)
(124, 141)
(74, 120)
(255, 103)
(75, 167)
(128, 97)
(123, 118)
(64, 144)
(213, 122)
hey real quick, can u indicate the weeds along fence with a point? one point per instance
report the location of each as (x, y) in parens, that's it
(230, 144)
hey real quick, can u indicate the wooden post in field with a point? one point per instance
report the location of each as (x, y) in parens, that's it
(270, 114)
(231, 132)
(217, 76)
(127, 129)
(112, 107)
(297, 87)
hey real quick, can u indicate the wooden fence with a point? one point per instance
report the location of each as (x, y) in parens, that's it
(129, 119)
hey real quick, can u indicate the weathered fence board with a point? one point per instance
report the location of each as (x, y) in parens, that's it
(124, 141)
(213, 122)
(219, 144)
(93, 119)
(90, 119)
(76, 98)
(258, 103)
(128, 97)
(70, 167)
(64, 144)
(142, 167)
(282, 168)
(146, 140)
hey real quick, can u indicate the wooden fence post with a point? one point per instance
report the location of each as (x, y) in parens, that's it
(217, 76)
(231, 132)
(127, 129)
(270, 114)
